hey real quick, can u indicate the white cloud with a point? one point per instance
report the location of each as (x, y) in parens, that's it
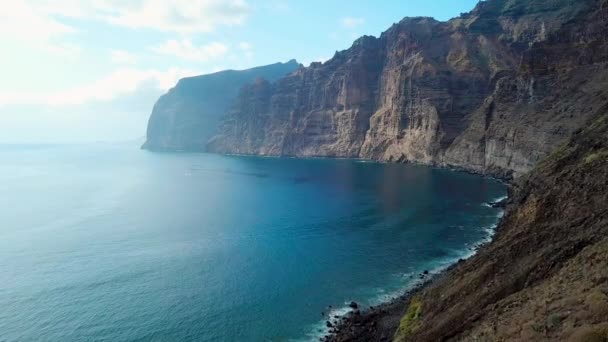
(183, 16)
(279, 6)
(247, 49)
(117, 83)
(186, 50)
(122, 57)
(352, 22)
(245, 46)
(67, 50)
(41, 25)
(24, 23)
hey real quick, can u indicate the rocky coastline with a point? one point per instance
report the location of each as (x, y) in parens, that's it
(544, 277)
(380, 322)
(492, 91)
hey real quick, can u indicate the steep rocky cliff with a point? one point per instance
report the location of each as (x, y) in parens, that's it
(492, 91)
(543, 278)
(189, 114)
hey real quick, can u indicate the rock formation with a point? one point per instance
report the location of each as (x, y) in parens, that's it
(492, 91)
(189, 114)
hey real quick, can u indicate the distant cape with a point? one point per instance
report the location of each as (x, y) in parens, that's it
(189, 114)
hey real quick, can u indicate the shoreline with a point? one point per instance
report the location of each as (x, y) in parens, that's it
(503, 177)
(377, 323)
(380, 322)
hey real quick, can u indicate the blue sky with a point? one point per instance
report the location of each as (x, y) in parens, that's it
(90, 70)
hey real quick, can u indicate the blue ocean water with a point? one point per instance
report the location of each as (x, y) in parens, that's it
(110, 243)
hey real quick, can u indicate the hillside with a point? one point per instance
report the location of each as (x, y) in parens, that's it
(543, 278)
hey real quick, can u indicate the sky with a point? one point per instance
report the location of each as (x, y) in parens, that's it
(91, 70)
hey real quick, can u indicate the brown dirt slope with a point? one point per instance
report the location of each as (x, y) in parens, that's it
(545, 276)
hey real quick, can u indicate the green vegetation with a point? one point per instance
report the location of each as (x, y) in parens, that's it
(599, 123)
(537, 327)
(554, 322)
(411, 321)
(561, 152)
(595, 156)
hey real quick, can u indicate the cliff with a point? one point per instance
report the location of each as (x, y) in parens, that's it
(189, 114)
(492, 91)
(543, 278)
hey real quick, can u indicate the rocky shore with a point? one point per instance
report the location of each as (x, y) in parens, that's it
(380, 322)
(543, 278)
(377, 323)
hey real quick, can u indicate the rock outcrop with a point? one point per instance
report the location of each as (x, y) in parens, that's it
(189, 114)
(492, 91)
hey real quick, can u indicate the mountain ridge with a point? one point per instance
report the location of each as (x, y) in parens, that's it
(475, 92)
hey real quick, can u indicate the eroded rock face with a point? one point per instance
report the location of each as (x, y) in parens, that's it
(544, 277)
(189, 114)
(492, 91)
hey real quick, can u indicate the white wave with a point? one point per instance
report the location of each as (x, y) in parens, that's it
(495, 200)
(500, 199)
(320, 329)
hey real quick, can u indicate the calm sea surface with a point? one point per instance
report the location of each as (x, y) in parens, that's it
(110, 243)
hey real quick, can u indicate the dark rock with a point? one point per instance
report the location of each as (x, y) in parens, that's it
(353, 305)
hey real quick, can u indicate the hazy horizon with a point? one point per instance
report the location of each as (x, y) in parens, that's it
(67, 78)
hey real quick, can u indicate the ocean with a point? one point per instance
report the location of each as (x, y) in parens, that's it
(105, 242)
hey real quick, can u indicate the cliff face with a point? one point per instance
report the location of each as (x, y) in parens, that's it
(189, 114)
(545, 276)
(493, 91)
